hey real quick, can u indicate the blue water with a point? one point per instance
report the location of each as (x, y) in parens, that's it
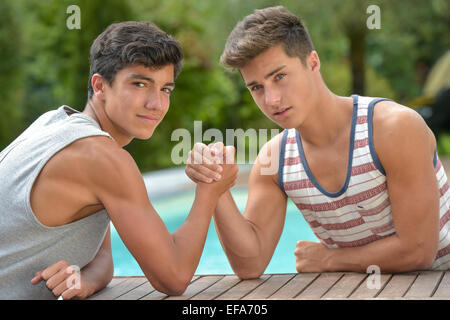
(174, 210)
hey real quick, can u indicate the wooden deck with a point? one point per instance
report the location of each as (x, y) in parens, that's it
(423, 285)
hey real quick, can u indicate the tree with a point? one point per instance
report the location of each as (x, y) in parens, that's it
(11, 74)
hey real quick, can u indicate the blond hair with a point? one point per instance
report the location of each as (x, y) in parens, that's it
(262, 30)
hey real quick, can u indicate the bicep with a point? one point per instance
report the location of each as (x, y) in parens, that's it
(266, 208)
(406, 155)
(121, 189)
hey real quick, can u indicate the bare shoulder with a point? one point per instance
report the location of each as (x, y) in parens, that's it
(107, 164)
(400, 129)
(102, 153)
(392, 114)
(72, 181)
(82, 158)
(267, 162)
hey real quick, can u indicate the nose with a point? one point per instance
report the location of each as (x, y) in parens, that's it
(272, 97)
(155, 101)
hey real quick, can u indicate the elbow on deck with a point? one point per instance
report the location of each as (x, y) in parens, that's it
(250, 269)
(173, 287)
(425, 259)
(249, 276)
(249, 273)
(425, 254)
(421, 257)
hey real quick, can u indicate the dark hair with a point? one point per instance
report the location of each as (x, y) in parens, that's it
(262, 30)
(129, 43)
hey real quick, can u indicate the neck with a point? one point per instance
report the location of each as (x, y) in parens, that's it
(96, 110)
(327, 119)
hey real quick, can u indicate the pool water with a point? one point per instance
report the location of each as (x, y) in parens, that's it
(174, 210)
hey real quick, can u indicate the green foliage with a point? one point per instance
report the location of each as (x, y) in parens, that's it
(43, 64)
(11, 74)
(58, 58)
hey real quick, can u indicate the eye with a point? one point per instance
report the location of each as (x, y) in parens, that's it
(256, 87)
(280, 76)
(139, 84)
(167, 90)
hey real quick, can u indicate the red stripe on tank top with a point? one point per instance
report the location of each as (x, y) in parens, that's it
(361, 119)
(442, 252)
(298, 184)
(444, 219)
(359, 197)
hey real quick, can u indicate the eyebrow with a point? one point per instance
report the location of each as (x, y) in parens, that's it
(267, 75)
(141, 77)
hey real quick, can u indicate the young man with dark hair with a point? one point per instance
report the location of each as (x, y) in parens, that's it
(67, 176)
(367, 180)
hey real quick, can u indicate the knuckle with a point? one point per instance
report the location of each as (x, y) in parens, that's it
(49, 284)
(62, 263)
(45, 275)
(199, 146)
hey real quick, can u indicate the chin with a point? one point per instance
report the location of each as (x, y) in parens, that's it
(284, 124)
(144, 136)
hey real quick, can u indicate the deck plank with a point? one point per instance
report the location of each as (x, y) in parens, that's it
(110, 285)
(398, 285)
(271, 285)
(291, 289)
(320, 285)
(224, 284)
(366, 291)
(425, 284)
(242, 288)
(345, 286)
(443, 291)
(119, 289)
(138, 292)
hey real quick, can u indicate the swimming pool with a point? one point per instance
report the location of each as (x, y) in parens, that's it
(173, 211)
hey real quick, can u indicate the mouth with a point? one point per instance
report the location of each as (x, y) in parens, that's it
(151, 119)
(282, 113)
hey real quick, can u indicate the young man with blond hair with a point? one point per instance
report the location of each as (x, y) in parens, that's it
(363, 171)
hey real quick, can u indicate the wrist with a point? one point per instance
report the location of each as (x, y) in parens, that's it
(207, 192)
(328, 264)
(88, 287)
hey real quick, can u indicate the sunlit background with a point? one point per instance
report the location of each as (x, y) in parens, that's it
(44, 64)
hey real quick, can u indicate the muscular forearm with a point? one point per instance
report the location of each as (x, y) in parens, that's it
(239, 238)
(189, 238)
(390, 254)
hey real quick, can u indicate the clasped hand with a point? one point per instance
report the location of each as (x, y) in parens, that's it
(207, 164)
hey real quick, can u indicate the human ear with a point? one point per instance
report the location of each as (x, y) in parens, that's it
(98, 85)
(313, 61)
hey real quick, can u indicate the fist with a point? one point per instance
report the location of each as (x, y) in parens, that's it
(311, 256)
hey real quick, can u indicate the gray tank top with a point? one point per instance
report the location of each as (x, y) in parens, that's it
(26, 245)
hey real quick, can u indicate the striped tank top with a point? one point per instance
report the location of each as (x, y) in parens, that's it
(360, 212)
